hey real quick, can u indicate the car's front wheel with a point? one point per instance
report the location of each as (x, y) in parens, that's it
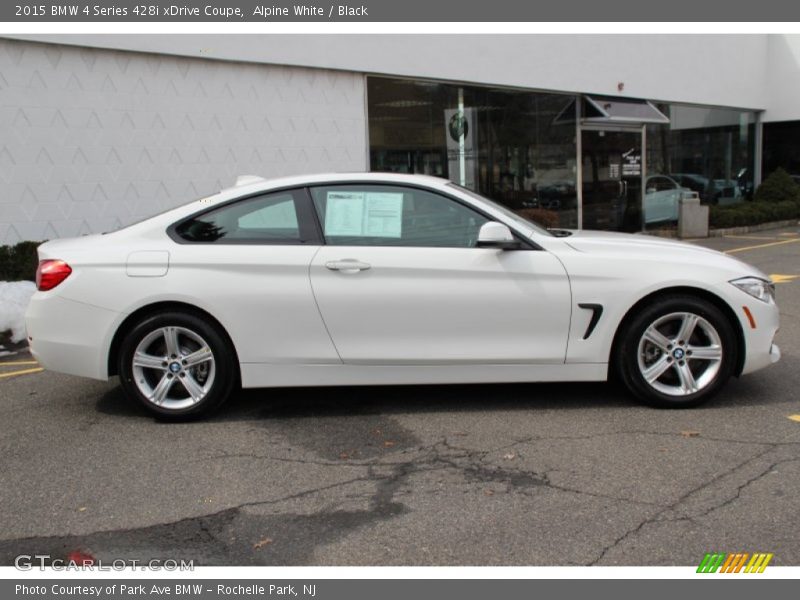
(177, 365)
(677, 352)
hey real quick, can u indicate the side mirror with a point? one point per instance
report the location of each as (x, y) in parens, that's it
(496, 235)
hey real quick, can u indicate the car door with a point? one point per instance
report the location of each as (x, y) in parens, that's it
(401, 281)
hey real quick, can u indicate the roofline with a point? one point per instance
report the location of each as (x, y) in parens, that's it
(256, 182)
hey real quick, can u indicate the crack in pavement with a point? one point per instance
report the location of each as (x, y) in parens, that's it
(224, 537)
(207, 535)
(767, 471)
(672, 507)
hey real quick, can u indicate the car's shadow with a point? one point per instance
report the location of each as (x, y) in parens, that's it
(315, 402)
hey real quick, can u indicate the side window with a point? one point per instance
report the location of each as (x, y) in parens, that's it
(269, 218)
(384, 215)
(662, 184)
(280, 215)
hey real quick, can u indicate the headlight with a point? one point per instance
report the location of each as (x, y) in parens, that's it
(757, 288)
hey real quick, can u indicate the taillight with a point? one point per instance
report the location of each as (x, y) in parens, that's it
(50, 273)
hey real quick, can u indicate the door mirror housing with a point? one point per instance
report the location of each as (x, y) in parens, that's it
(496, 235)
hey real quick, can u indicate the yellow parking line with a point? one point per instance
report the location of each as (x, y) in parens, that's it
(750, 237)
(781, 278)
(735, 250)
(19, 362)
(795, 418)
(22, 372)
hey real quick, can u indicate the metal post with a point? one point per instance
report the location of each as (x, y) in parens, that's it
(367, 160)
(462, 163)
(579, 161)
(758, 151)
(642, 192)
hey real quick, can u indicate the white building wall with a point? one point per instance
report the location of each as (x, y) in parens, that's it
(722, 70)
(783, 84)
(99, 130)
(91, 139)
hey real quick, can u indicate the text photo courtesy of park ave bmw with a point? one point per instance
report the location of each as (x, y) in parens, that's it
(504, 305)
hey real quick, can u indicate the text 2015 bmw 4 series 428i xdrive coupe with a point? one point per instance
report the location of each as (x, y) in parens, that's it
(353, 279)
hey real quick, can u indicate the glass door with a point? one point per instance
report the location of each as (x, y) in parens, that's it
(611, 173)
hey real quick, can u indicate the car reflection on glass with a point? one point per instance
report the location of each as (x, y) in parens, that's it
(661, 199)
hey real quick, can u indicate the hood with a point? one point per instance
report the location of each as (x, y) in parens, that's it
(657, 249)
(587, 241)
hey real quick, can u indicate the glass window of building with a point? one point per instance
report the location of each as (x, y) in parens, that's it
(504, 144)
(520, 149)
(780, 148)
(704, 150)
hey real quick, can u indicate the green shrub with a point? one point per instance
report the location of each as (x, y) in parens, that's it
(753, 213)
(19, 262)
(778, 187)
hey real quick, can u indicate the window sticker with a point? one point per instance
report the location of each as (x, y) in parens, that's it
(368, 214)
(344, 213)
(383, 215)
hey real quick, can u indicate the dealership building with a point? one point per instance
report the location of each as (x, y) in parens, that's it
(587, 131)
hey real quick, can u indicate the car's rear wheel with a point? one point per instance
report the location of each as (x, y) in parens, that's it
(177, 365)
(677, 352)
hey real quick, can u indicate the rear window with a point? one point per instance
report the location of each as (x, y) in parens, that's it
(268, 218)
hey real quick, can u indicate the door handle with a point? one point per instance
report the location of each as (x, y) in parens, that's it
(347, 264)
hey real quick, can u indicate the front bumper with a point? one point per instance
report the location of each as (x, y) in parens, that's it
(760, 348)
(774, 353)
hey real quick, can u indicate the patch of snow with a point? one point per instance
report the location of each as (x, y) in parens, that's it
(14, 298)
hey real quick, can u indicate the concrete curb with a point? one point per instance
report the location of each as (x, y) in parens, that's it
(673, 233)
(752, 228)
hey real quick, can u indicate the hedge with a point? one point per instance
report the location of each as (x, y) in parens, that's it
(778, 187)
(752, 213)
(19, 262)
(776, 199)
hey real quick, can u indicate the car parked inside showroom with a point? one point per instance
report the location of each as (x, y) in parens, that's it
(379, 279)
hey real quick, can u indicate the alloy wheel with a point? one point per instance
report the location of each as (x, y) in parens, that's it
(173, 367)
(680, 354)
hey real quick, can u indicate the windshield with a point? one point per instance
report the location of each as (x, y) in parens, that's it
(519, 219)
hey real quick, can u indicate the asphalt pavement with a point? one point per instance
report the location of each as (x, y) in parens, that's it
(534, 474)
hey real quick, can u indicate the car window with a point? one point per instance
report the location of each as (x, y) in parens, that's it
(280, 215)
(265, 218)
(661, 184)
(516, 218)
(383, 215)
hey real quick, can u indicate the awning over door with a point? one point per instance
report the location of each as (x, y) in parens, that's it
(612, 111)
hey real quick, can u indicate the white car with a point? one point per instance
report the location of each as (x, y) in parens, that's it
(661, 199)
(356, 279)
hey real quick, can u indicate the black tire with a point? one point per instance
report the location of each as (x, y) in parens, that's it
(633, 356)
(222, 369)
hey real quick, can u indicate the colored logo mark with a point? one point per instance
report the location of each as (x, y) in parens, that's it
(735, 562)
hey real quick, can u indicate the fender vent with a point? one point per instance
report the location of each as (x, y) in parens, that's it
(597, 312)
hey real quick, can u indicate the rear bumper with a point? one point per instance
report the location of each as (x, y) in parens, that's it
(68, 336)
